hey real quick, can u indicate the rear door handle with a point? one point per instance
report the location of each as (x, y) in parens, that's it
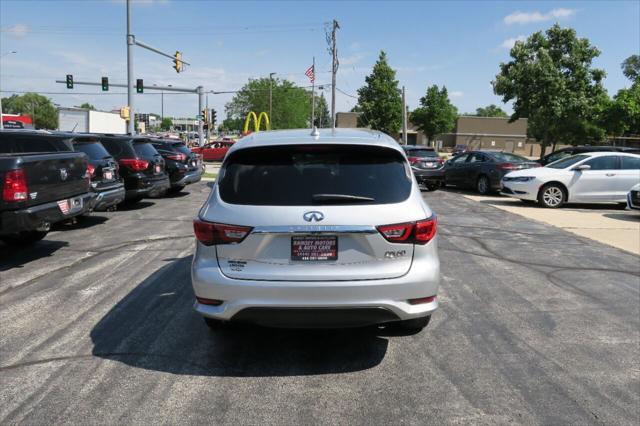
(610, 174)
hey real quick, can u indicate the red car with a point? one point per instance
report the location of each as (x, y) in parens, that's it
(213, 151)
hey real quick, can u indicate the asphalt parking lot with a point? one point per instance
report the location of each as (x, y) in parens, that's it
(536, 326)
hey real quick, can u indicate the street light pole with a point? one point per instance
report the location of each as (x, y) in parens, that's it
(271, 74)
(130, 43)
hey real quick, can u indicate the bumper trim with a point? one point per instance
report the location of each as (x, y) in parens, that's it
(315, 317)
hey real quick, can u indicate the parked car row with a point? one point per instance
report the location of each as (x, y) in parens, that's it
(49, 177)
(576, 174)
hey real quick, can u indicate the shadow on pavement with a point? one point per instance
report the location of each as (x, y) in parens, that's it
(154, 327)
(134, 206)
(18, 257)
(627, 217)
(79, 222)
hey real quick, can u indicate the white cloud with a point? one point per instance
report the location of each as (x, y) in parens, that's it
(456, 94)
(351, 60)
(531, 17)
(510, 42)
(17, 31)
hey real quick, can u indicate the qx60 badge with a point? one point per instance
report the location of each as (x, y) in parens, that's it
(313, 216)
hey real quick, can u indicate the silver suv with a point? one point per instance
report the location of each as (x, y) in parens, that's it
(316, 229)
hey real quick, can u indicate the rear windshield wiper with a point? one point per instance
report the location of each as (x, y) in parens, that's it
(340, 198)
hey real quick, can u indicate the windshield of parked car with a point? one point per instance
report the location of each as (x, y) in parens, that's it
(421, 153)
(505, 157)
(567, 162)
(305, 175)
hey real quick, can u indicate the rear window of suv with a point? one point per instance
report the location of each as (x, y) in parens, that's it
(303, 175)
(144, 149)
(94, 150)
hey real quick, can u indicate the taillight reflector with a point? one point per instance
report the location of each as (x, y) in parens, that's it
(135, 164)
(210, 302)
(420, 232)
(15, 186)
(421, 300)
(210, 233)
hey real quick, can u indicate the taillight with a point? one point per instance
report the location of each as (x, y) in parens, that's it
(134, 164)
(420, 232)
(177, 156)
(91, 170)
(15, 186)
(508, 166)
(413, 160)
(210, 233)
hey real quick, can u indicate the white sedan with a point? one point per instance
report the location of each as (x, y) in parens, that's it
(595, 177)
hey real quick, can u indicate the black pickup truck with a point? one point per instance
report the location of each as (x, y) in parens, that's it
(39, 189)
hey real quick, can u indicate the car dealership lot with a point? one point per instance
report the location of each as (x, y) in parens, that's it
(536, 325)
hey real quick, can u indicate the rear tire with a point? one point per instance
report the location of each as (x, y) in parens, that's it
(483, 185)
(622, 206)
(431, 186)
(552, 196)
(24, 238)
(415, 324)
(175, 189)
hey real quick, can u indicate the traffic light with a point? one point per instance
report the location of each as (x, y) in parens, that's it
(213, 116)
(105, 84)
(177, 62)
(139, 86)
(205, 115)
(69, 81)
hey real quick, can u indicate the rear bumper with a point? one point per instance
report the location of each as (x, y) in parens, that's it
(429, 176)
(315, 303)
(191, 176)
(146, 186)
(109, 197)
(32, 218)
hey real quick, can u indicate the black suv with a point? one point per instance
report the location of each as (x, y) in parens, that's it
(573, 150)
(141, 167)
(182, 165)
(103, 169)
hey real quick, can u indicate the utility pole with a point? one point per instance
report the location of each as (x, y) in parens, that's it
(130, 43)
(334, 70)
(404, 117)
(271, 74)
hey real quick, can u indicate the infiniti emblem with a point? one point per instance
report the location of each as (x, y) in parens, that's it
(313, 216)
(63, 174)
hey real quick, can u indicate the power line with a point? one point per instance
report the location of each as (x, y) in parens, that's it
(87, 93)
(345, 93)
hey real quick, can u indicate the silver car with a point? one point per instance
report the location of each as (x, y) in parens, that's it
(316, 229)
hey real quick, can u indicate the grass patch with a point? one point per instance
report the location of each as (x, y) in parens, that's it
(210, 175)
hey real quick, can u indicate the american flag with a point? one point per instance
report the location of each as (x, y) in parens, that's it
(64, 206)
(311, 73)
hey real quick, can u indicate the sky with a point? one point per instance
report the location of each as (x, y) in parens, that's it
(459, 44)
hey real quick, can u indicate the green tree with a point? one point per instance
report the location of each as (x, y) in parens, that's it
(491, 111)
(621, 115)
(231, 124)
(631, 67)
(291, 105)
(551, 82)
(380, 99)
(166, 123)
(323, 117)
(88, 106)
(38, 107)
(436, 113)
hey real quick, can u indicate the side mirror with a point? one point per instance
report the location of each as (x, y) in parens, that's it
(583, 167)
